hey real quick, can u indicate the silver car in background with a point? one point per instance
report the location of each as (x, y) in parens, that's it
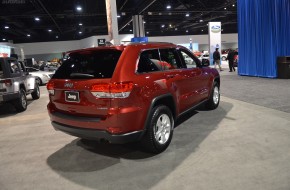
(42, 77)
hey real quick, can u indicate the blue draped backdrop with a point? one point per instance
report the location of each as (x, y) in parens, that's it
(264, 34)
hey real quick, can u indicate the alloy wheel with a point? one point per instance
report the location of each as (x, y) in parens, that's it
(162, 129)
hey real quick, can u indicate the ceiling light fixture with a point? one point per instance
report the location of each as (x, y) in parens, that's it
(118, 16)
(168, 7)
(49, 30)
(176, 28)
(37, 19)
(130, 30)
(225, 8)
(80, 24)
(147, 32)
(187, 15)
(234, 5)
(186, 30)
(3, 39)
(163, 26)
(80, 32)
(79, 8)
(200, 20)
(56, 36)
(144, 22)
(28, 35)
(6, 27)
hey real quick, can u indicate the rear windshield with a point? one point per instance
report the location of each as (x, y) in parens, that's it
(89, 64)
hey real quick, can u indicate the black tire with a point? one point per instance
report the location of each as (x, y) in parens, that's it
(214, 99)
(38, 81)
(36, 93)
(20, 104)
(159, 114)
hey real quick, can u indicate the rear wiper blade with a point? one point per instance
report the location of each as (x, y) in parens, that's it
(81, 75)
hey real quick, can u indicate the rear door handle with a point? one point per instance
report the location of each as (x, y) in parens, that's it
(170, 76)
(193, 73)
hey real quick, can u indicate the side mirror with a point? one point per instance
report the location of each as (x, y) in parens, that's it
(205, 62)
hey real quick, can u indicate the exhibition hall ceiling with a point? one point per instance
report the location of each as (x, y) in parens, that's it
(25, 21)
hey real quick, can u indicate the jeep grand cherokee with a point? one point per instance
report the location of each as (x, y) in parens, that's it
(129, 93)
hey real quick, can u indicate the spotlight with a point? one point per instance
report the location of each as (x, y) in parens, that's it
(79, 8)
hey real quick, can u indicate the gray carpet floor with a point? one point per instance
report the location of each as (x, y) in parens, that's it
(270, 93)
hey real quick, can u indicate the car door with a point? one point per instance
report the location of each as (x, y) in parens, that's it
(198, 78)
(177, 79)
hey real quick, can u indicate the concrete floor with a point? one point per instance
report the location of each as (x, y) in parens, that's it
(239, 146)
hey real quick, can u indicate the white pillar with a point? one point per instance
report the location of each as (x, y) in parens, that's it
(112, 22)
(214, 30)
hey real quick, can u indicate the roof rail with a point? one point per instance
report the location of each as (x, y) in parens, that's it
(151, 42)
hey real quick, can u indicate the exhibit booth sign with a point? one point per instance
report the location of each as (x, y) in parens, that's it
(214, 30)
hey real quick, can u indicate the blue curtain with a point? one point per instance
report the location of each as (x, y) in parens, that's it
(264, 34)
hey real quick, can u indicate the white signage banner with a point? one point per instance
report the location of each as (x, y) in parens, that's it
(214, 30)
(5, 51)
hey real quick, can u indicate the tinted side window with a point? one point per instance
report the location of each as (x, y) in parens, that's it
(1, 70)
(89, 64)
(188, 59)
(14, 67)
(170, 59)
(148, 61)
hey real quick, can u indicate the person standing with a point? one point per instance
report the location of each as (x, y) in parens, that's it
(230, 58)
(217, 58)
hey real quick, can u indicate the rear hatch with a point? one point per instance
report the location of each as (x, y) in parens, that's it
(71, 87)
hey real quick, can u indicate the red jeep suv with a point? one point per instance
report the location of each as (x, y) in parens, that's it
(121, 94)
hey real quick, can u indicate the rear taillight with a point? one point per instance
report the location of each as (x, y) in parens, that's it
(50, 87)
(7, 82)
(112, 90)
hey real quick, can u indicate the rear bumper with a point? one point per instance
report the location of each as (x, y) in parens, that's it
(94, 134)
(9, 96)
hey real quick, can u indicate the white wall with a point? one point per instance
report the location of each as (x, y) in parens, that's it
(92, 41)
(49, 47)
(63, 46)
